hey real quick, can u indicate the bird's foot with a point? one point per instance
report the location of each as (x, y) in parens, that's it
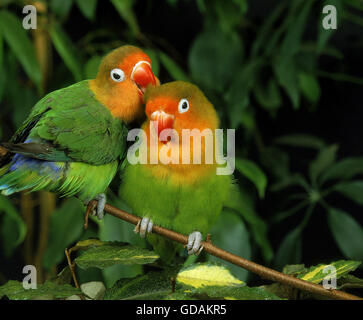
(194, 245)
(99, 209)
(144, 226)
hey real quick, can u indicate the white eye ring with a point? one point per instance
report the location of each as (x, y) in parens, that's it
(117, 75)
(183, 106)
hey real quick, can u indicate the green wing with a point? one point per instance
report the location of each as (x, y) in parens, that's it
(71, 125)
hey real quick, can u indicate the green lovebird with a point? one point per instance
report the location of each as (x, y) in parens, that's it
(185, 198)
(74, 138)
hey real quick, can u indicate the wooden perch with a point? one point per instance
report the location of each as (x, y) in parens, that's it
(263, 272)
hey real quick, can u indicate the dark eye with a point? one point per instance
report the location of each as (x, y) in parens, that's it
(183, 105)
(117, 75)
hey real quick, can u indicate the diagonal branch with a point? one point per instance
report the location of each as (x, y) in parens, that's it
(263, 272)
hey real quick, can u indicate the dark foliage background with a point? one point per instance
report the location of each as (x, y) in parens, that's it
(291, 89)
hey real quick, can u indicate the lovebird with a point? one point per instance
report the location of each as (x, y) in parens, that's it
(74, 138)
(185, 198)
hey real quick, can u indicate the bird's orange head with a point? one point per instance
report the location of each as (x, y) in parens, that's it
(121, 82)
(180, 105)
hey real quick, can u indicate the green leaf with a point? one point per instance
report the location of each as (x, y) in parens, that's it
(237, 95)
(344, 169)
(154, 57)
(323, 34)
(316, 274)
(309, 86)
(20, 44)
(176, 72)
(230, 232)
(125, 10)
(150, 286)
(347, 233)
(2, 69)
(66, 226)
(87, 7)
(241, 202)
(206, 274)
(66, 50)
(301, 140)
(91, 67)
(351, 189)
(14, 290)
(13, 228)
(276, 161)
(212, 57)
(61, 7)
(286, 74)
(268, 97)
(326, 157)
(290, 249)
(229, 293)
(113, 253)
(251, 171)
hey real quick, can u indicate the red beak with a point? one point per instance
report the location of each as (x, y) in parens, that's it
(142, 75)
(163, 120)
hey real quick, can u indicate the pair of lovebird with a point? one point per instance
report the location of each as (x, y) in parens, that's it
(75, 138)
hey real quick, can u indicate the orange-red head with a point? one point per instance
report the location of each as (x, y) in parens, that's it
(121, 82)
(180, 105)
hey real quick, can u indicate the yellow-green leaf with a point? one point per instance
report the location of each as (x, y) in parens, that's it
(199, 275)
(316, 274)
(113, 253)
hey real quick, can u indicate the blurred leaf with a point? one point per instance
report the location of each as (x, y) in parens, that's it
(230, 232)
(326, 157)
(316, 274)
(61, 7)
(276, 161)
(237, 95)
(241, 202)
(349, 281)
(17, 39)
(290, 250)
(2, 69)
(295, 179)
(345, 169)
(172, 67)
(323, 34)
(309, 86)
(14, 290)
(251, 171)
(286, 71)
(124, 8)
(230, 293)
(87, 7)
(13, 228)
(351, 189)
(214, 57)
(347, 233)
(264, 33)
(154, 57)
(113, 253)
(301, 140)
(150, 286)
(66, 226)
(66, 50)
(268, 97)
(206, 274)
(91, 67)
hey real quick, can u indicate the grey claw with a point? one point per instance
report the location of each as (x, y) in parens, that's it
(194, 243)
(99, 211)
(144, 226)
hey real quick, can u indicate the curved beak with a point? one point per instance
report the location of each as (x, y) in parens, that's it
(163, 121)
(142, 76)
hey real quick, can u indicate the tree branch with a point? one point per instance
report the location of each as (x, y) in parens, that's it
(262, 271)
